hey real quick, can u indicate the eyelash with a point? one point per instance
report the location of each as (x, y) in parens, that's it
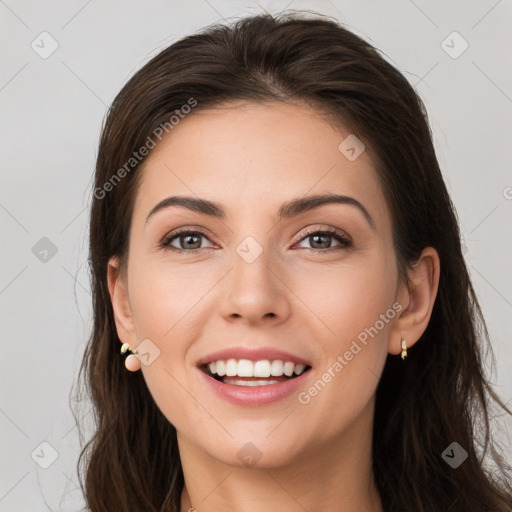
(344, 241)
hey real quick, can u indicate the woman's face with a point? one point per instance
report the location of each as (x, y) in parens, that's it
(257, 280)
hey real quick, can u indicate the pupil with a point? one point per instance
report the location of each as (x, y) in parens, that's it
(325, 237)
(187, 238)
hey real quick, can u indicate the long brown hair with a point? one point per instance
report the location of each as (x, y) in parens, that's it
(441, 395)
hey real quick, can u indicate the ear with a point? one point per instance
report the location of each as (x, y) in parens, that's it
(118, 290)
(417, 299)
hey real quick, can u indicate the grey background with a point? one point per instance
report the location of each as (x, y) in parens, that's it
(52, 111)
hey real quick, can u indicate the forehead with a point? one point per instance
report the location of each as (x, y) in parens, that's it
(251, 157)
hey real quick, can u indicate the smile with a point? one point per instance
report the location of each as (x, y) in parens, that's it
(254, 383)
(244, 372)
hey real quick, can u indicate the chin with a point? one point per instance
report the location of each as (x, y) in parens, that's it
(255, 452)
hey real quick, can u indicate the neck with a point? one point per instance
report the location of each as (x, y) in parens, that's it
(334, 476)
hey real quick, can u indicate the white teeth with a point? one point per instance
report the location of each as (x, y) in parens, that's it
(231, 368)
(288, 369)
(262, 369)
(276, 368)
(247, 368)
(221, 368)
(299, 368)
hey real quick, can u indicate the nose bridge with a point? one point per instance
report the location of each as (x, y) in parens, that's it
(254, 290)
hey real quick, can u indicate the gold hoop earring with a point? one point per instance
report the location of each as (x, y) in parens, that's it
(132, 363)
(404, 349)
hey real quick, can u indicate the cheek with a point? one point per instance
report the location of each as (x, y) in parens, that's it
(352, 306)
(346, 298)
(164, 299)
(166, 307)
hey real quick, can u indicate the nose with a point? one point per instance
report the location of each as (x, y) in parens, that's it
(256, 292)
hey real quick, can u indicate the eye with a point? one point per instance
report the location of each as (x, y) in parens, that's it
(322, 240)
(190, 241)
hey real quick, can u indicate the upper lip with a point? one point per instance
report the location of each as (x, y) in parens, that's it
(253, 354)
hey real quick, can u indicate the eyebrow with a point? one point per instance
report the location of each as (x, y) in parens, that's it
(287, 210)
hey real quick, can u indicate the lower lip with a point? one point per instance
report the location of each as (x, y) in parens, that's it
(255, 395)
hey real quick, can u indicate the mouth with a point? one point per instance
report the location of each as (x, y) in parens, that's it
(247, 373)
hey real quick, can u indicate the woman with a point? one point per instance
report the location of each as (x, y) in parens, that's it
(317, 346)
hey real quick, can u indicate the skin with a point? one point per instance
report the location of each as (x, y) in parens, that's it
(251, 158)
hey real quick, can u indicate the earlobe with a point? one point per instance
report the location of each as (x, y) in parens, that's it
(418, 298)
(120, 303)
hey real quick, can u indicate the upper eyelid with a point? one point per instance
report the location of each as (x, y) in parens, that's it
(186, 230)
(329, 230)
